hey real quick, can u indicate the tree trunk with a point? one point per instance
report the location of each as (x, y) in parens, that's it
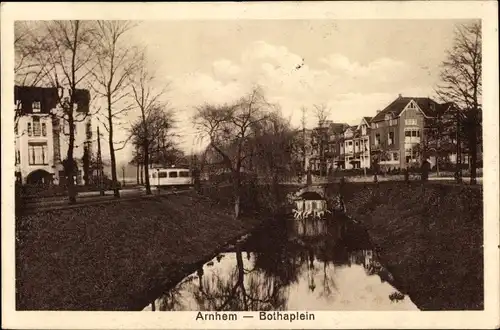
(237, 194)
(146, 168)
(142, 173)
(114, 176)
(71, 170)
(473, 150)
(137, 173)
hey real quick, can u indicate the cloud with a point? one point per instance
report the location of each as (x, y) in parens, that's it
(225, 69)
(350, 89)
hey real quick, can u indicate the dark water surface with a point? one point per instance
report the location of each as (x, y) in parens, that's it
(291, 265)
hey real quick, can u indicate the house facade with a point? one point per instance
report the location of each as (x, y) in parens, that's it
(398, 130)
(42, 134)
(327, 147)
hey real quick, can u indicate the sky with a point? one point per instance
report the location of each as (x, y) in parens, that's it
(356, 67)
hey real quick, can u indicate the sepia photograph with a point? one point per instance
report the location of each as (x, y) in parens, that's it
(250, 170)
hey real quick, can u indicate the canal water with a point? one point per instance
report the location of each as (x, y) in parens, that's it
(325, 265)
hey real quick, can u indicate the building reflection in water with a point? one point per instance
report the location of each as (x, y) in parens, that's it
(307, 264)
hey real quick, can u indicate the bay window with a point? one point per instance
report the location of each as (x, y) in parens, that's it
(38, 154)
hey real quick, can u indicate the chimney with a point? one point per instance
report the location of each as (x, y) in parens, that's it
(400, 96)
(378, 111)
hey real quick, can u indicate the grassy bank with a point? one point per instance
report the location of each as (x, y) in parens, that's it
(430, 236)
(113, 256)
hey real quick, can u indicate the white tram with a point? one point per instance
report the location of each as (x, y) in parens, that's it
(170, 177)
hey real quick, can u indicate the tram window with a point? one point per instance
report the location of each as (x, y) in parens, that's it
(162, 174)
(184, 174)
(154, 175)
(172, 174)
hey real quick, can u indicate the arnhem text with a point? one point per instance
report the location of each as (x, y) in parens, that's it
(263, 316)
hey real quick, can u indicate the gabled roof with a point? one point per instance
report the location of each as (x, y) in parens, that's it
(427, 105)
(337, 128)
(368, 119)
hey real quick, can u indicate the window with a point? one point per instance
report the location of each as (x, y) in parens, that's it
(395, 156)
(377, 139)
(38, 154)
(172, 174)
(153, 175)
(36, 126)
(393, 122)
(29, 129)
(44, 129)
(16, 131)
(410, 122)
(412, 133)
(373, 125)
(363, 130)
(411, 106)
(162, 174)
(18, 157)
(390, 138)
(36, 106)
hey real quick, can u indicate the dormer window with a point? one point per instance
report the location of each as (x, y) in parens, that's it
(388, 116)
(36, 106)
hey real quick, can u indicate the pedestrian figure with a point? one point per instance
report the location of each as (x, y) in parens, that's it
(425, 170)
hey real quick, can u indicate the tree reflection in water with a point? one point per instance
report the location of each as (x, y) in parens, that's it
(241, 290)
(263, 273)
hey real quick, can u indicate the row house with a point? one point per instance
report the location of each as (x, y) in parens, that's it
(357, 145)
(42, 134)
(397, 137)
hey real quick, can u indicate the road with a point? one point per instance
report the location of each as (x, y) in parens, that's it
(88, 197)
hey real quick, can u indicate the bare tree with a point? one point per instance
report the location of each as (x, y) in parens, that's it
(63, 51)
(461, 77)
(322, 112)
(153, 114)
(115, 61)
(27, 70)
(276, 151)
(156, 122)
(229, 129)
(304, 138)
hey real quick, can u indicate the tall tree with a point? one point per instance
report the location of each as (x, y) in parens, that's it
(63, 53)
(116, 60)
(461, 83)
(156, 122)
(27, 69)
(276, 149)
(322, 112)
(154, 115)
(304, 137)
(229, 129)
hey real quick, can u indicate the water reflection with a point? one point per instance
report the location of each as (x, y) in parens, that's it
(297, 265)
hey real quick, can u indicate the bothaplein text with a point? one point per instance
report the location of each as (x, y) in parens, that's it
(263, 316)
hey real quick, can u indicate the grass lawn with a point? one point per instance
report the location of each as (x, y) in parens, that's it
(112, 256)
(431, 238)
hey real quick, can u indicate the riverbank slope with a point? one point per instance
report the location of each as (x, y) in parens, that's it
(111, 256)
(431, 238)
